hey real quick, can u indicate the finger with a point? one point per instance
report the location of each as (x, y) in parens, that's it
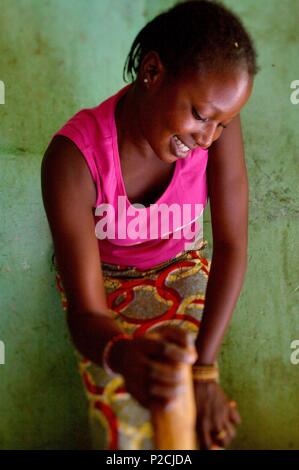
(217, 425)
(219, 439)
(226, 435)
(155, 403)
(139, 395)
(178, 354)
(218, 431)
(156, 348)
(176, 335)
(204, 434)
(230, 433)
(158, 403)
(216, 447)
(234, 416)
(160, 390)
(165, 373)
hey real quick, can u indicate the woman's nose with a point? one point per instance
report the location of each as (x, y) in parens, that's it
(205, 138)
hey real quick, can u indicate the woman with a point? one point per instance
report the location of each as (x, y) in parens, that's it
(171, 136)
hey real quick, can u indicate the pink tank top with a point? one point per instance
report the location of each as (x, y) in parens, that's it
(127, 235)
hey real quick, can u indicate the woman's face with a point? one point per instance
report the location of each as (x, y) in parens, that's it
(179, 115)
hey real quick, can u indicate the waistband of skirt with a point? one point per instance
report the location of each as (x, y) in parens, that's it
(132, 271)
(116, 270)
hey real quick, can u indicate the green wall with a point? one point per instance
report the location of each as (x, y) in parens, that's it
(256, 353)
(58, 56)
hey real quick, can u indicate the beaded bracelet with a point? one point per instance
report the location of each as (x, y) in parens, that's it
(107, 351)
(206, 373)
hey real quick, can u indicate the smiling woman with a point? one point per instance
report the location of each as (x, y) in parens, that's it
(172, 136)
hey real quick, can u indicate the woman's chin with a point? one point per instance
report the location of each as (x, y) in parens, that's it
(168, 157)
(171, 158)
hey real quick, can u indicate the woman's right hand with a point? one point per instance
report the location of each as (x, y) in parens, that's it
(150, 364)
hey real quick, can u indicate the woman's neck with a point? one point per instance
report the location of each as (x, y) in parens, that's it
(128, 116)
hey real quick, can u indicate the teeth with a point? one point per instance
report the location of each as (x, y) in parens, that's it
(180, 144)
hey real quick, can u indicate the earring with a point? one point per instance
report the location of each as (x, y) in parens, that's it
(145, 80)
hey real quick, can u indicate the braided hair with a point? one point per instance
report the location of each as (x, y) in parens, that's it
(197, 34)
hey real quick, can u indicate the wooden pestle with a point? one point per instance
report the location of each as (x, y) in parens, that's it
(174, 428)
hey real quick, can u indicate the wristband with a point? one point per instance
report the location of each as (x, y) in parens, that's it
(206, 373)
(107, 351)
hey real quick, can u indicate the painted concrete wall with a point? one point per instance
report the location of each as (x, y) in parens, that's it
(58, 56)
(256, 354)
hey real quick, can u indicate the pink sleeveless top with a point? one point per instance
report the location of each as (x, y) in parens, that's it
(127, 235)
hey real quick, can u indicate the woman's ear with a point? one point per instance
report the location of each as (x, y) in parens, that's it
(151, 68)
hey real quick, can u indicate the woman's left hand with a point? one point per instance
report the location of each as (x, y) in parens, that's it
(217, 416)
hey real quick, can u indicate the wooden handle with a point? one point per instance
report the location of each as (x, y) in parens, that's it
(174, 429)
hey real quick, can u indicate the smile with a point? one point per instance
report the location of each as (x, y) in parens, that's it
(182, 147)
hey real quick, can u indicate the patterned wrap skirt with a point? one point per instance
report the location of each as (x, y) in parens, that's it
(170, 293)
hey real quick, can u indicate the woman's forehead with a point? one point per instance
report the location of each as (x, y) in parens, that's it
(219, 92)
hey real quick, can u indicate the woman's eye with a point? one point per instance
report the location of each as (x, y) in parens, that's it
(198, 116)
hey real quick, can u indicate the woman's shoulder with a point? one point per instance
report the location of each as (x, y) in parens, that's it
(89, 125)
(84, 125)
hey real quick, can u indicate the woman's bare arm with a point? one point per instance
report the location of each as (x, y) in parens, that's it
(69, 194)
(228, 192)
